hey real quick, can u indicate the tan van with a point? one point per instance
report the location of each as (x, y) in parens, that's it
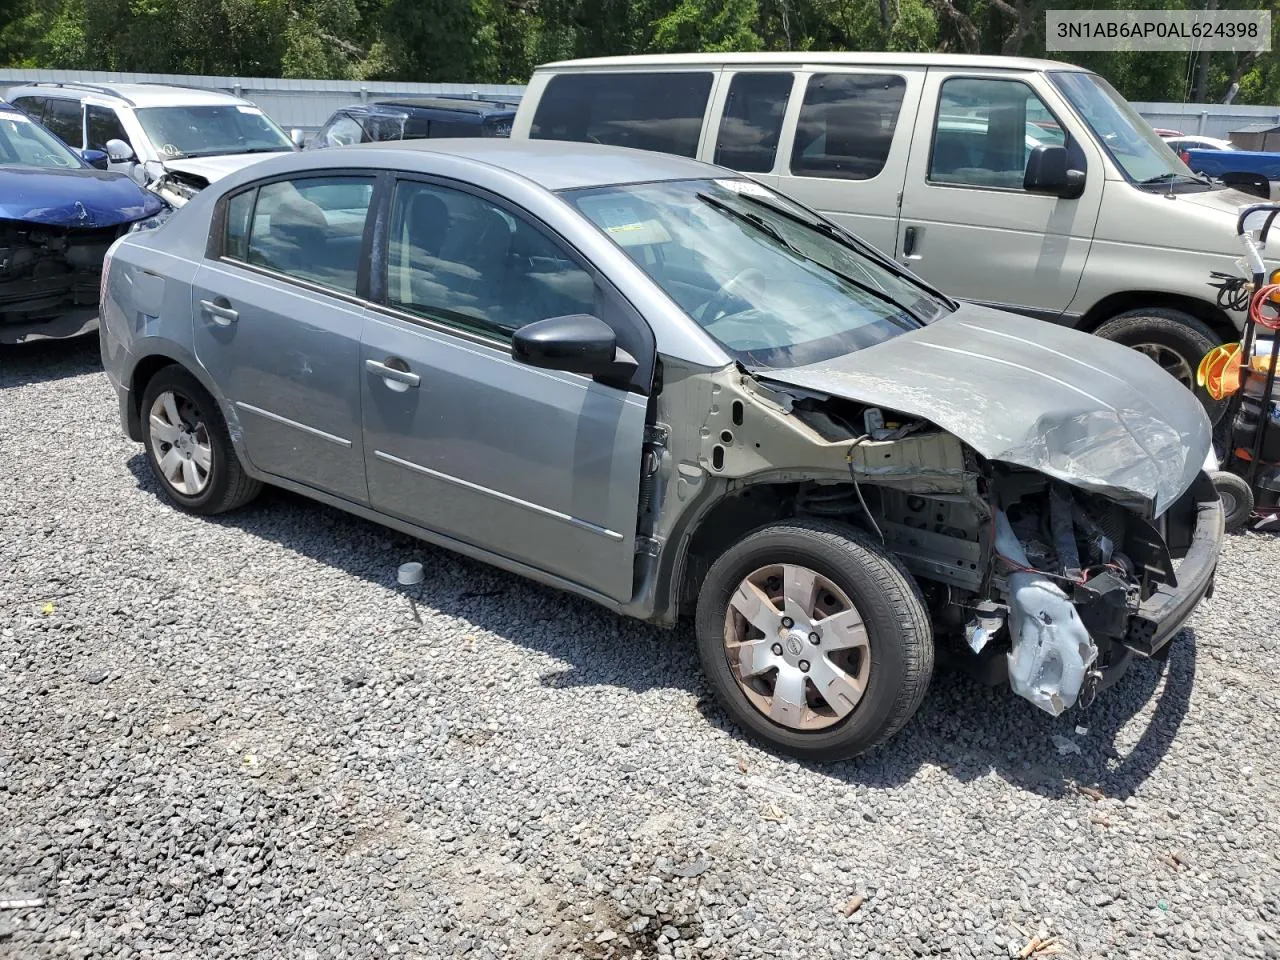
(1028, 185)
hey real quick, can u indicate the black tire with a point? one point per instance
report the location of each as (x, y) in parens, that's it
(1236, 497)
(899, 633)
(227, 486)
(1172, 330)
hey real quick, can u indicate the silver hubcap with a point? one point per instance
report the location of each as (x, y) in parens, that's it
(797, 647)
(180, 442)
(1172, 362)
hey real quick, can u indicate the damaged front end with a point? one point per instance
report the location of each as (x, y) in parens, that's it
(49, 278)
(1049, 585)
(176, 187)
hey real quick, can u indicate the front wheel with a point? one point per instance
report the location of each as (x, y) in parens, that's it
(815, 639)
(1175, 340)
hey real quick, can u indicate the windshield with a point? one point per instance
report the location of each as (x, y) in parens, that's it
(27, 144)
(206, 131)
(756, 271)
(1143, 156)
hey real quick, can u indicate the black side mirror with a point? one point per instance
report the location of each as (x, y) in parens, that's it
(577, 343)
(1048, 172)
(94, 158)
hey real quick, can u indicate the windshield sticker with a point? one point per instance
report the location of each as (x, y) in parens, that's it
(252, 111)
(169, 150)
(746, 187)
(627, 226)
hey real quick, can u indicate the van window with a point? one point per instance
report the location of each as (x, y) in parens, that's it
(648, 111)
(985, 131)
(752, 121)
(846, 125)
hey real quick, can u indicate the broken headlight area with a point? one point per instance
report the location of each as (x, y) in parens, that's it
(49, 278)
(176, 188)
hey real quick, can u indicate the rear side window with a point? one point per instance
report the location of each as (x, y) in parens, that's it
(752, 121)
(846, 125)
(31, 106)
(104, 125)
(311, 229)
(647, 111)
(63, 118)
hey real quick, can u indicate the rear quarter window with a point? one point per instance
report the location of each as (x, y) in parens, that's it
(647, 111)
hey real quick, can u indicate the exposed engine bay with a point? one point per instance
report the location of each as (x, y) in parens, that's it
(177, 187)
(49, 277)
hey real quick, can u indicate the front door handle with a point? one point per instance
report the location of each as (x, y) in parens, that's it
(395, 372)
(908, 241)
(220, 309)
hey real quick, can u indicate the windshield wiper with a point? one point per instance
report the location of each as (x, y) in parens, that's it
(1173, 177)
(765, 227)
(849, 240)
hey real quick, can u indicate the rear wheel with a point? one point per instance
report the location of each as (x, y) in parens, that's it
(188, 446)
(815, 639)
(1175, 340)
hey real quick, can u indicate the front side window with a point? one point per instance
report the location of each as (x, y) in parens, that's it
(985, 131)
(846, 125)
(647, 111)
(311, 229)
(211, 130)
(63, 117)
(460, 260)
(104, 125)
(1134, 146)
(752, 121)
(24, 143)
(756, 271)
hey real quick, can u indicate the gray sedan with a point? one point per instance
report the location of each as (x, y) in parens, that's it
(667, 388)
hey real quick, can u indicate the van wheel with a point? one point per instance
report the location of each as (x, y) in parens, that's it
(1175, 340)
(815, 639)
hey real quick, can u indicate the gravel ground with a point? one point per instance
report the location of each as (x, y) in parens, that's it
(241, 738)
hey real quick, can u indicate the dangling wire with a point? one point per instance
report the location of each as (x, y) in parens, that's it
(858, 489)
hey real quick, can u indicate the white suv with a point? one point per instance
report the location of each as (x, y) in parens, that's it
(174, 140)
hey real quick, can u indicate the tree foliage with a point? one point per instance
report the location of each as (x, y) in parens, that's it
(500, 41)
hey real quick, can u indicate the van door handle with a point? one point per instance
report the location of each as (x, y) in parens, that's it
(395, 373)
(909, 241)
(220, 309)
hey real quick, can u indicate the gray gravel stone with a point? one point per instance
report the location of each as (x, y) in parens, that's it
(236, 738)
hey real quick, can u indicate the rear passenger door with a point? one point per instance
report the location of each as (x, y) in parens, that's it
(845, 146)
(968, 226)
(747, 121)
(537, 466)
(278, 322)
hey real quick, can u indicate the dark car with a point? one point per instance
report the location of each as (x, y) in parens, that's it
(58, 216)
(415, 118)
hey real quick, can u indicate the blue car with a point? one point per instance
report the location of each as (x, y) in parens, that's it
(58, 216)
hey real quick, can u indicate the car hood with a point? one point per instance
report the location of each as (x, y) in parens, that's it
(73, 197)
(215, 168)
(1228, 201)
(1092, 413)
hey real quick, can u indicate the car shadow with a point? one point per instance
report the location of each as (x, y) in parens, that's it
(44, 360)
(968, 729)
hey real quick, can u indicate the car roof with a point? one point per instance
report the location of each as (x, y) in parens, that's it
(136, 94)
(447, 103)
(817, 58)
(551, 164)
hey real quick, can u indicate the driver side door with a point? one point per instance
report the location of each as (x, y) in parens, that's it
(538, 466)
(967, 225)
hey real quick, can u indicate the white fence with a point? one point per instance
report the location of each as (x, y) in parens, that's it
(291, 103)
(308, 103)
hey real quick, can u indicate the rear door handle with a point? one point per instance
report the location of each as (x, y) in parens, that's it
(398, 377)
(220, 309)
(909, 241)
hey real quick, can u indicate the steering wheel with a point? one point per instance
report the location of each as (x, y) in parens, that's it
(719, 304)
